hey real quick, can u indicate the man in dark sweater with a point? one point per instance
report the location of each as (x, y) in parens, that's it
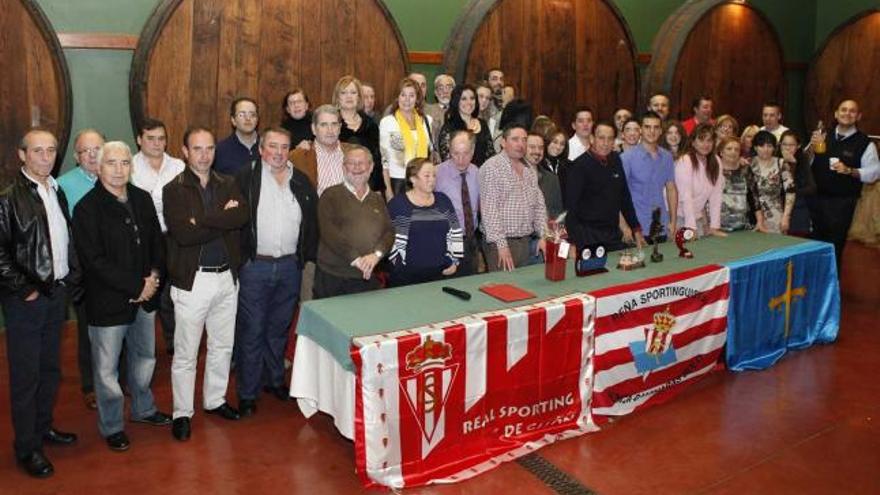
(596, 195)
(354, 228)
(120, 243)
(850, 160)
(242, 146)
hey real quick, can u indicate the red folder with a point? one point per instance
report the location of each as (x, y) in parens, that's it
(506, 292)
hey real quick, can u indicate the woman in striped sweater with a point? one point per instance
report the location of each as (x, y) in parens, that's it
(428, 238)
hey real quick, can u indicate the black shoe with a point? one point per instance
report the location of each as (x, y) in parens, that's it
(37, 465)
(118, 441)
(280, 392)
(56, 437)
(247, 407)
(225, 412)
(180, 429)
(155, 419)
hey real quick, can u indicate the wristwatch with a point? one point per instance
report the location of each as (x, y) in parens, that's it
(378, 254)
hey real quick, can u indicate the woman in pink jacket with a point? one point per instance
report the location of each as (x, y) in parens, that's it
(700, 184)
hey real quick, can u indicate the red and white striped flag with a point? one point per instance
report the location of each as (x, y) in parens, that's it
(655, 336)
(443, 403)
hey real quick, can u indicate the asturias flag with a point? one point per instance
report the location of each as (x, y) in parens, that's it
(785, 299)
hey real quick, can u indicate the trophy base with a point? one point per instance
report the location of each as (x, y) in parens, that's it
(656, 257)
(596, 271)
(630, 266)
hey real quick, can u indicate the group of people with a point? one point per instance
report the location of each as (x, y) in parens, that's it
(341, 199)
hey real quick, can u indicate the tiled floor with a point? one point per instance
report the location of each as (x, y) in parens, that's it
(809, 425)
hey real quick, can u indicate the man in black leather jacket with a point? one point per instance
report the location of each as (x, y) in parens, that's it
(37, 270)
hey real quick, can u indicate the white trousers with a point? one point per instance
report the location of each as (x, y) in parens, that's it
(210, 304)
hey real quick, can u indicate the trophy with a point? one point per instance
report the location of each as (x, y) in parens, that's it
(630, 260)
(654, 234)
(684, 234)
(556, 249)
(590, 260)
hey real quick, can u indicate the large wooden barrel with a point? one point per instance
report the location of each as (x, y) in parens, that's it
(195, 57)
(846, 67)
(556, 53)
(35, 86)
(729, 51)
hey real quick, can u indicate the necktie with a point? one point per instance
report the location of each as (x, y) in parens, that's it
(466, 207)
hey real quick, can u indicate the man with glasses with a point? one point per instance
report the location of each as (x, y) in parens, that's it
(75, 183)
(242, 146)
(443, 86)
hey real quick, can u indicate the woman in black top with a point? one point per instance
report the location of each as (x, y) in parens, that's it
(297, 118)
(357, 126)
(805, 186)
(556, 155)
(463, 115)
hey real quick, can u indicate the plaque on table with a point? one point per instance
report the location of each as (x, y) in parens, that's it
(590, 260)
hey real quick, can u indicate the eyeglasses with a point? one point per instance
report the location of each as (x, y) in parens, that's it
(246, 115)
(88, 151)
(328, 125)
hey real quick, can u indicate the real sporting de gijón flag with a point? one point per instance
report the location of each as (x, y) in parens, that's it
(656, 336)
(445, 402)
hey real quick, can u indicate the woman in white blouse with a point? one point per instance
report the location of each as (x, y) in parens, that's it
(404, 134)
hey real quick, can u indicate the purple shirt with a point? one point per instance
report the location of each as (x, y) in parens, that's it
(647, 178)
(449, 183)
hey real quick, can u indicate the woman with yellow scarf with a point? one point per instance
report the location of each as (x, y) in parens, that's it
(404, 134)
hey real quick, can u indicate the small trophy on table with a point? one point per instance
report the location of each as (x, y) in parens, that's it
(654, 234)
(557, 248)
(684, 235)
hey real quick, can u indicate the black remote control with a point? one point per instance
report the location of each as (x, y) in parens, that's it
(464, 296)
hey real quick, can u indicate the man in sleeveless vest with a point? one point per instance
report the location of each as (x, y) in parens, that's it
(850, 160)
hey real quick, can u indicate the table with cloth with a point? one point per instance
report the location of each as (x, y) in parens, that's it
(436, 389)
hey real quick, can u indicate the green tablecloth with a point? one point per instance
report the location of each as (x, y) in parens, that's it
(332, 323)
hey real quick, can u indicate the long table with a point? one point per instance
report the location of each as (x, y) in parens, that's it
(579, 321)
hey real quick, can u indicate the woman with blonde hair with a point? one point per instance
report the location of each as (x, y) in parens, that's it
(745, 140)
(356, 126)
(725, 126)
(404, 134)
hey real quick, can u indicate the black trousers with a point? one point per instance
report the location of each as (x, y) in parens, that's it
(832, 217)
(166, 316)
(33, 339)
(83, 349)
(327, 285)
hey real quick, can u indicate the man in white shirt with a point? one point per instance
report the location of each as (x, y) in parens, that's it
(37, 268)
(152, 168)
(582, 124)
(771, 115)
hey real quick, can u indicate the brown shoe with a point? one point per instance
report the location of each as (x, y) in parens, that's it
(90, 401)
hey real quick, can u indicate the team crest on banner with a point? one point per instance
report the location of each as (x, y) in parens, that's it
(427, 389)
(655, 336)
(445, 402)
(656, 349)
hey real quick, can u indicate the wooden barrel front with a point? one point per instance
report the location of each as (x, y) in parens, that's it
(846, 68)
(556, 53)
(196, 56)
(35, 87)
(726, 50)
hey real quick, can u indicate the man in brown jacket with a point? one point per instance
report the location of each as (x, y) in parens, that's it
(204, 212)
(322, 163)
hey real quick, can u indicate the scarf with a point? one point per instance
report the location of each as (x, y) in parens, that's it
(419, 148)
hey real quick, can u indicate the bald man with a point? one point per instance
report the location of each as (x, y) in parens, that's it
(850, 161)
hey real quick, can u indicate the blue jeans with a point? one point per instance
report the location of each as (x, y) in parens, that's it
(267, 296)
(140, 344)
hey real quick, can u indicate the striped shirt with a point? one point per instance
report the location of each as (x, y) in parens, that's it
(512, 206)
(426, 237)
(330, 171)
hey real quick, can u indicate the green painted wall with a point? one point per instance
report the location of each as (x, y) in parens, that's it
(100, 77)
